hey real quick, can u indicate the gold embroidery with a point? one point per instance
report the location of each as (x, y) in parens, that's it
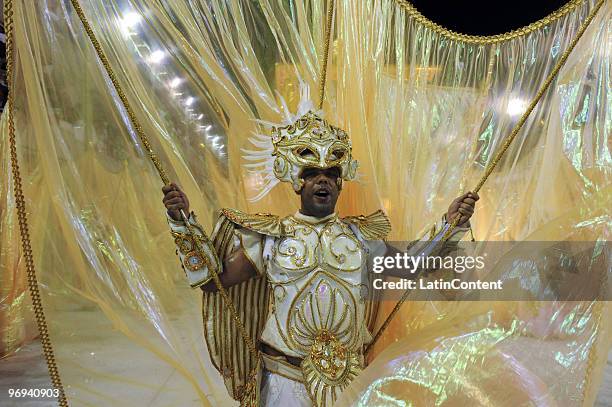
(194, 261)
(308, 313)
(375, 226)
(328, 355)
(279, 292)
(321, 322)
(183, 242)
(343, 246)
(264, 223)
(328, 368)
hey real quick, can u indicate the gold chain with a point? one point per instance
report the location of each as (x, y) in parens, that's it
(22, 216)
(501, 152)
(481, 40)
(160, 170)
(327, 40)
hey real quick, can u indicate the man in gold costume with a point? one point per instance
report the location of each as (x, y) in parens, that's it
(298, 283)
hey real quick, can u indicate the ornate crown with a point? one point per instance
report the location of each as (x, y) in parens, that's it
(307, 141)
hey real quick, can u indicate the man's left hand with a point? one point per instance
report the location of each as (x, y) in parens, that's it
(462, 206)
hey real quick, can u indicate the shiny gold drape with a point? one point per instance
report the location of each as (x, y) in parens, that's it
(425, 111)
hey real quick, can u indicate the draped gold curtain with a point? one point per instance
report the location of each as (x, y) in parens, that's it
(426, 110)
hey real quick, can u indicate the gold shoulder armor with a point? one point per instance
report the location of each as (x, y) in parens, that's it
(264, 223)
(375, 226)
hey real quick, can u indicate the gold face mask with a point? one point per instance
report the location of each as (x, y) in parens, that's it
(311, 142)
(302, 140)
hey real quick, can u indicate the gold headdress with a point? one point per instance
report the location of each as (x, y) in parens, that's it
(305, 140)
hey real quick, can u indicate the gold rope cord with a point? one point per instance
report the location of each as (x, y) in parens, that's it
(477, 39)
(502, 150)
(22, 216)
(327, 40)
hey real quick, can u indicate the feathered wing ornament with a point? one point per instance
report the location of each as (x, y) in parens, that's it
(260, 160)
(261, 163)
(301, 140)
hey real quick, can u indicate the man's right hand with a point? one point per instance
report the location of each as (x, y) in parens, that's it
(175, 200)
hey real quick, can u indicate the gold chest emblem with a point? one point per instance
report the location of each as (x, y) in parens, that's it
(333, 248)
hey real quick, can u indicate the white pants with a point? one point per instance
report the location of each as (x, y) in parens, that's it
(277, 390)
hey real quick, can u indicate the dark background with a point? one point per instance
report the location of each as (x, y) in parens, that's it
(485, 17)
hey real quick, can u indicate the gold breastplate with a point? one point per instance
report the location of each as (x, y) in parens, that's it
(316, 278)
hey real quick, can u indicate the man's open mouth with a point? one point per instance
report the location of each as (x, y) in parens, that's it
(322, 193)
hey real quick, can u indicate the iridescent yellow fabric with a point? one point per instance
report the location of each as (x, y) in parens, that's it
(16, 317)
(425, 114)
